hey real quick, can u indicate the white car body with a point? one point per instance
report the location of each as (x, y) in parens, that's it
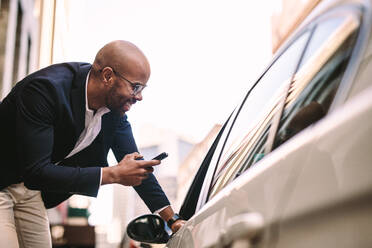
(315, 190)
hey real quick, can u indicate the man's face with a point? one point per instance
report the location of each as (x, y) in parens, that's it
(120, 96)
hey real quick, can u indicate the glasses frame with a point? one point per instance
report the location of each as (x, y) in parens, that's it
(136, 87)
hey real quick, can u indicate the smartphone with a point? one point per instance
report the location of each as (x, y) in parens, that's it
(161, 156)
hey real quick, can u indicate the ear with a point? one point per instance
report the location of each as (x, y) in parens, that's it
(107, 74)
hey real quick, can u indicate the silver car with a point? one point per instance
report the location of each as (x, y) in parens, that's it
(292, 165)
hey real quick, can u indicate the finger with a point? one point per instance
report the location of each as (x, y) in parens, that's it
(138, 156)
(149, 169)
(177, 225)
(149, 163)
(142, 172)
(143, 176)
(132, 155)
(128, 156)
(137, 182)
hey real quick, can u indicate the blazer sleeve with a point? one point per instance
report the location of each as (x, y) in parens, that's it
(37, 111)
(149, 190)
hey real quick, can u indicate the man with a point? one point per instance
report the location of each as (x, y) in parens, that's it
(57, 126)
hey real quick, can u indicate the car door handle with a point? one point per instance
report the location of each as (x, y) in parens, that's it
(242, 229)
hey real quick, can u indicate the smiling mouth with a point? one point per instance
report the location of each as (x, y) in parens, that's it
(127, 106)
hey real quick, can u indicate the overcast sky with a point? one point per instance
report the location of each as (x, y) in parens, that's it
(204, 54)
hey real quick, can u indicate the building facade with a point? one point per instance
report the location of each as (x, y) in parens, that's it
(287, 17)
(20, 25)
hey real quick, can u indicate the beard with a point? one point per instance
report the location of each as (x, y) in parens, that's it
(117, 103)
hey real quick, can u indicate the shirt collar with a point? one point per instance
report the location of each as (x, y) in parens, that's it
(101, 111)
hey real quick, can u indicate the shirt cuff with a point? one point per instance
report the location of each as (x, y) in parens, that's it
(161, 209)
(100, 177)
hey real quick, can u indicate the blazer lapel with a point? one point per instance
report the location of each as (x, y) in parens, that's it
(78, 98)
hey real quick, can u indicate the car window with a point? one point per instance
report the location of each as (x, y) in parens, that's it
(315, 84)
(308, 97)
(257, 112)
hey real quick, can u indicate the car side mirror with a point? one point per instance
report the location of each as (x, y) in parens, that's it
(148, 228)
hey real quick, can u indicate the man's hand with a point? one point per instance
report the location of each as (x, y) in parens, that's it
(177, 225)
(129, 171)
(167, 214)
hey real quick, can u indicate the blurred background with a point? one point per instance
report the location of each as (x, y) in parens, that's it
(204, 55)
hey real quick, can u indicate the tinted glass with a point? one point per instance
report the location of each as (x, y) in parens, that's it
(320, 35)
(212, 165)
(256, 114)
(315, 84)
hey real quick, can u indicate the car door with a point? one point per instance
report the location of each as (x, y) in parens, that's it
(264, 189)
(214, 208)
(329, 203)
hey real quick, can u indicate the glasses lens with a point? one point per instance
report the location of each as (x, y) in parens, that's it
(137, 88)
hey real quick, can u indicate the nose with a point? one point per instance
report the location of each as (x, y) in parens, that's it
(138, 96)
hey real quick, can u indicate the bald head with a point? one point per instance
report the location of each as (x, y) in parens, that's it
(119, 73)
(125, 58)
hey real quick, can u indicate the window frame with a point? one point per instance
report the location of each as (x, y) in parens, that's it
(345, 87)
(206, 189)
(341, 94)
(195, 190)
(343, 10)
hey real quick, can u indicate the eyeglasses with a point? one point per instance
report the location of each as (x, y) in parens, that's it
(136, 87)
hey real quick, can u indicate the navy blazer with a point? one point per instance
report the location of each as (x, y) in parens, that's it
(41, 120)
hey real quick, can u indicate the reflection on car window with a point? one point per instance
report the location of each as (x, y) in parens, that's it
(256, 114)
(320, 35)
(315, 84)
